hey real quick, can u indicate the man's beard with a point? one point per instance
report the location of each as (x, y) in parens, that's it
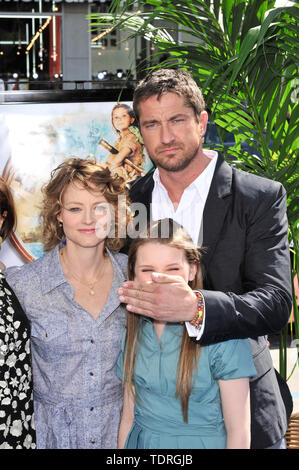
(174, 165)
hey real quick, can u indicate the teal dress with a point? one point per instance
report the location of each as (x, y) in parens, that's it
(158, 421)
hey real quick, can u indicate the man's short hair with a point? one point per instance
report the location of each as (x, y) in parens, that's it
(163, 81)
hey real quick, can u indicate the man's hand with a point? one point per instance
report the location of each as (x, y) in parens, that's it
(165, 298)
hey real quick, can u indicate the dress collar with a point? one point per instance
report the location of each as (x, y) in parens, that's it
(52, 274)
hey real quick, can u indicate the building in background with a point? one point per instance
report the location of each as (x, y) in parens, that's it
(45, 42)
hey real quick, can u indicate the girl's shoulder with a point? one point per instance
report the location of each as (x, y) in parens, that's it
(226, 348)
(129, 138)
(232, 358)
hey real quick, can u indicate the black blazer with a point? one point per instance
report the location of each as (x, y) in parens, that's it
(247, 283)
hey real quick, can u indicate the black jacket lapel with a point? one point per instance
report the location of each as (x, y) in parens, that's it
(141, 190)
(217, 203)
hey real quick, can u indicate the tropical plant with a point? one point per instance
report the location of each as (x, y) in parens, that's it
(244, 56)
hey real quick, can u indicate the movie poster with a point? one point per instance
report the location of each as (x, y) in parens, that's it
(36, 138)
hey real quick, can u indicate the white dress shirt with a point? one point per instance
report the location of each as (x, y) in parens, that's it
(189, 211)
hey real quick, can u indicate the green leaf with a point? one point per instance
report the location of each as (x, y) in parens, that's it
(246, 47)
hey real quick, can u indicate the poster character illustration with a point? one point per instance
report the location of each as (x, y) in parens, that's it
(36, 138)
(126, 156)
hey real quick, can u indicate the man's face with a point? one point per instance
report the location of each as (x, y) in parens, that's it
(171, 132)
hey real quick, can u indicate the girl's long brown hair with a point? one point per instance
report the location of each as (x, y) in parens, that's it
(176, 237)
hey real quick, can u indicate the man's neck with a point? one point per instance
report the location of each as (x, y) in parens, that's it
(175, 182)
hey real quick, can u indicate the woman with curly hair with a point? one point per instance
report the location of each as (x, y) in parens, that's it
(177, 394)
(70, 298)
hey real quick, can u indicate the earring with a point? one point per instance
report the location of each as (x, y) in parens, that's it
(1, 240)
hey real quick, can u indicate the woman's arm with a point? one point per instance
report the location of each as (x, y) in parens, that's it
(127, 417)
(235, 399)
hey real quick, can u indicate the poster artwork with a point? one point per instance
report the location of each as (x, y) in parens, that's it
(36, 138)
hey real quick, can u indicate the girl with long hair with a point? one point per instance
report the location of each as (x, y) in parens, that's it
(178, 394)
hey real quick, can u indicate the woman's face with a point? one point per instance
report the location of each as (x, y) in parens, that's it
(85, 215)
(121, 119)
(165, 259)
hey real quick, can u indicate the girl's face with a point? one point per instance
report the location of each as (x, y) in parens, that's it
(85, 215)
(165, 259)
(121, 119)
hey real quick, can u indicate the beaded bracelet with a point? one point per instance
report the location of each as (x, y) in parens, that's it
(198, 317)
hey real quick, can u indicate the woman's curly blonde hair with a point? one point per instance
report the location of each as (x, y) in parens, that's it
(94, 177)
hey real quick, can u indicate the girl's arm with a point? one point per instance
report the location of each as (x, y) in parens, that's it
(126, 418)
(235, 398)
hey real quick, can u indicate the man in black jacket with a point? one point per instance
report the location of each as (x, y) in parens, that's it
(240, 220)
